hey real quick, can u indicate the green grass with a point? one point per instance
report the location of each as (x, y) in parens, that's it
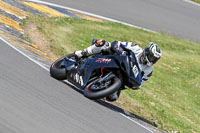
(197, 1)
(171, 97)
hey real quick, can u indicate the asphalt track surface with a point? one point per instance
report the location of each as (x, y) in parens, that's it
(33, 102)
(175, 17)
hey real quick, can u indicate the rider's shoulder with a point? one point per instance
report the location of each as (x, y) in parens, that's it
(133, 45)
(136, 48)
(127, 44)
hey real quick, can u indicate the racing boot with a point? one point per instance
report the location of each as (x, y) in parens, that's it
(81, 53)
(72, 55)
(113, 97)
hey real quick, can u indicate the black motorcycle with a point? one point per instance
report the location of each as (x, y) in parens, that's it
(100, 75)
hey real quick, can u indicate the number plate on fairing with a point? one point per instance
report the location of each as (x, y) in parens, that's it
(135, 71)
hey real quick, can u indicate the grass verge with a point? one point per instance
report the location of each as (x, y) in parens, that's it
(197, 1)
(170, 98)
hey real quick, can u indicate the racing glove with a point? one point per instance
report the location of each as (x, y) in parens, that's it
(99, 42)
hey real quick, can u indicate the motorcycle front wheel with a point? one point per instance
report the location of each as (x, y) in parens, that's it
(98, 91)
(57, 71)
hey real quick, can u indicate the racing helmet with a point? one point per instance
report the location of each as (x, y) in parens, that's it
(151, 54)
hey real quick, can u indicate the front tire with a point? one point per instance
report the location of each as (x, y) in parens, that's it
(113, 87)
(57, 71)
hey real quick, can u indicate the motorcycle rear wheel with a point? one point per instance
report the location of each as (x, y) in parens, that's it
(113, 86)
(57, 71)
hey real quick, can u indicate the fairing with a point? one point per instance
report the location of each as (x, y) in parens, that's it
(80, 75)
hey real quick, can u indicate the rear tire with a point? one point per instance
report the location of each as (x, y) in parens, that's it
(57, 71)
(115, 85)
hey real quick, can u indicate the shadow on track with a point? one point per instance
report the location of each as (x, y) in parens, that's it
(114, 107)
(124, 112)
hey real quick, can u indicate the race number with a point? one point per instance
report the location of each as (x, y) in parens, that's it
(135, 70)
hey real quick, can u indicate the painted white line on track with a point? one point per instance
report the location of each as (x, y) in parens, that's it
(90, 14)
(41, 65)
(191, 2)
(137, 122)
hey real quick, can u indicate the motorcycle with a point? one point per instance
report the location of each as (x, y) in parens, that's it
(100, 75)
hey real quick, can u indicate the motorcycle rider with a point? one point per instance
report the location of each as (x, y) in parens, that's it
(146, 57)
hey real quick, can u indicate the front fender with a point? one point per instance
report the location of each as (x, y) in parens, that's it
(97, 63)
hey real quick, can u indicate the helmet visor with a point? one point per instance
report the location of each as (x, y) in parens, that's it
(152, 59)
